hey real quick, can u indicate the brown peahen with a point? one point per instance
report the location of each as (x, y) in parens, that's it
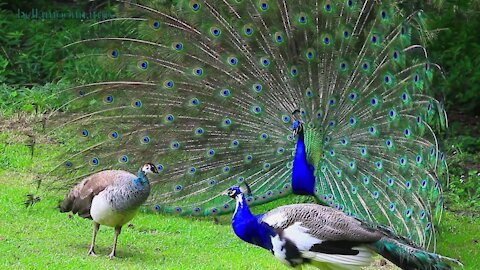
(111, 198)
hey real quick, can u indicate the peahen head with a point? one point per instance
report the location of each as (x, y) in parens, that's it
(149, 168)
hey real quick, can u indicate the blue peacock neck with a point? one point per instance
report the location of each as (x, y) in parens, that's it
(141, 180)
(303, 173)
(248, 227)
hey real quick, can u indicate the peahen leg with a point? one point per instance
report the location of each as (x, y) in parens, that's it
(91, 251)
(117, 232)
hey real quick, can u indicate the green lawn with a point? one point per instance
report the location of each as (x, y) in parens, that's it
(40, 237)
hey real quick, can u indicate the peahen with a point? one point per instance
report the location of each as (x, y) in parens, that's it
(322, 236)
(328, 98)
(111, 198)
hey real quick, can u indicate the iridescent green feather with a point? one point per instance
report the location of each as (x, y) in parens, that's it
(206, 90)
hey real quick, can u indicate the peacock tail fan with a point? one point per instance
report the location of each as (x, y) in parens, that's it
(207, 90)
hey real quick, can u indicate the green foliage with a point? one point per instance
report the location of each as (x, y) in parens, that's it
(27, 57)
(463, 192)
(31, 50)
(456, 28)
(33, 69)
(37, 99)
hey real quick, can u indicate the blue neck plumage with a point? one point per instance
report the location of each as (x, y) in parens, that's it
(141, 179)
(248, 227)
(303, 176)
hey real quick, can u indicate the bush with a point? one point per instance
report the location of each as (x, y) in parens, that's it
(456, 28)
(37, 99)
(31, 50)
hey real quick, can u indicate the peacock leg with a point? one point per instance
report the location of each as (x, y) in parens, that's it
(118, 229)
(91, 251)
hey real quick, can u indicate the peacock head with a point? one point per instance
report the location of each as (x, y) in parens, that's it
(234, 191)
(149, 168)
(297, 125)
(297, 128)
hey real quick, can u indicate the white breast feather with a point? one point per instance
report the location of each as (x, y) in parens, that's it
(103, 213)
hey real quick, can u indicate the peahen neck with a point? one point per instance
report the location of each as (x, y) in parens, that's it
(307, 158)
(247, 226)
(141, 179)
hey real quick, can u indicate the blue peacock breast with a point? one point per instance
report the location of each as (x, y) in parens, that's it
(254, 232)
(303, 173)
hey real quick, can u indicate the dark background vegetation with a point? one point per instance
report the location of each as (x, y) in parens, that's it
(32, 70)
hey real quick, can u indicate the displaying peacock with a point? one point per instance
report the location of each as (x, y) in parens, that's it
(328, 98)
(300, 234)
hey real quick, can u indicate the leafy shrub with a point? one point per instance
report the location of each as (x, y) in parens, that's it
(31, 50)
(37, 99)
(456, 25)
(463, 191)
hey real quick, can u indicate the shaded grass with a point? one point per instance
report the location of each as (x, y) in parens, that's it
(40, 237)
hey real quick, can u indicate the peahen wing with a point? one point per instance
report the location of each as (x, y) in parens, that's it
(206, 89)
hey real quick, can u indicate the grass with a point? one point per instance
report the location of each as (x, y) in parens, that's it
(40, 237)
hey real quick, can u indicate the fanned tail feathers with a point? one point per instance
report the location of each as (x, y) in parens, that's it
(206, 90)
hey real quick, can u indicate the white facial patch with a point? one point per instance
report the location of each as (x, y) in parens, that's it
(239, 203)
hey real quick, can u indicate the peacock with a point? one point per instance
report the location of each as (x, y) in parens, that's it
(111, 198)
(322, 236)
(331, 99)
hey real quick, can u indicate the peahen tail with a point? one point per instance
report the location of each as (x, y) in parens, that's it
(410, 257)
(208, 91)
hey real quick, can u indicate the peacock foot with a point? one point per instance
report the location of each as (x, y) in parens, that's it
(91, 252)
